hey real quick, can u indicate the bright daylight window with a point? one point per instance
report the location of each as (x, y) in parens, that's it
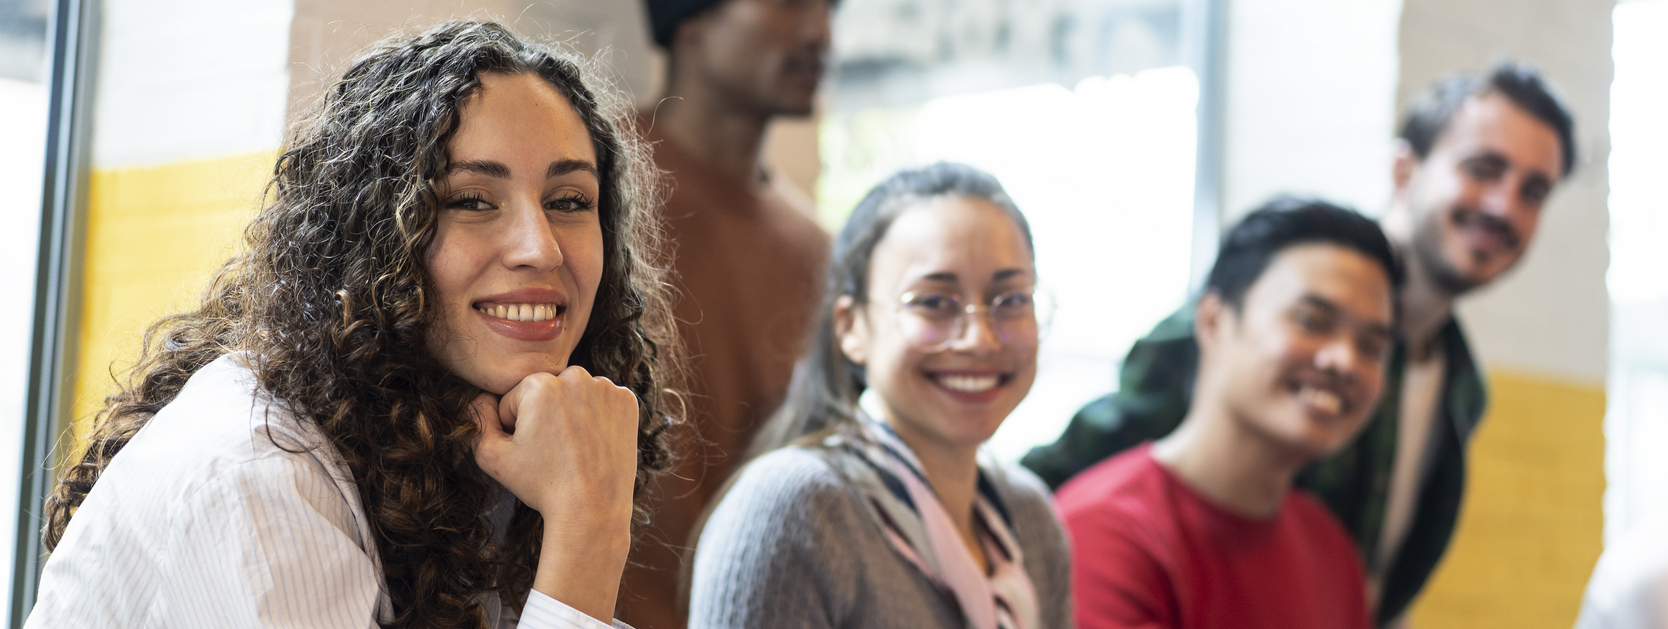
(23, 104)
(1636, 426)
(1085, 112)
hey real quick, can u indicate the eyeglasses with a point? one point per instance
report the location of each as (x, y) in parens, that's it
(932, 321)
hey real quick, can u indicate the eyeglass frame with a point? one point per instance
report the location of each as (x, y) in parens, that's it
(1041, 306)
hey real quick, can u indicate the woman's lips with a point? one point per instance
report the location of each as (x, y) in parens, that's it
(523, 321)
(969, 386)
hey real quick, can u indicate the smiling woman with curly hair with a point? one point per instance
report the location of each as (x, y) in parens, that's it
(424, 394)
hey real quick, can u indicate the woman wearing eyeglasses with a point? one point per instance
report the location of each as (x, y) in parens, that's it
(866, 503)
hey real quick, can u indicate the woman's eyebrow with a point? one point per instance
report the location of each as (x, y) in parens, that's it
(489, 168)
(498, 170)
(1008, 274)
(565, 166)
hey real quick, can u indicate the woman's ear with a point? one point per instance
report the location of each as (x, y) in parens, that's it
(852, 329)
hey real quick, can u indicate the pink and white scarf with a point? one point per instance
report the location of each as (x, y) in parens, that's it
(921, 531)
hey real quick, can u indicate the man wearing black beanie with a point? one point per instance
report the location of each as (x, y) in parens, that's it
(749, 259)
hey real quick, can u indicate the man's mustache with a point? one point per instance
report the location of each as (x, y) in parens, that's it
(1470, 218)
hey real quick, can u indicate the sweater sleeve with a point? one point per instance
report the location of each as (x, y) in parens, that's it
(770, 554)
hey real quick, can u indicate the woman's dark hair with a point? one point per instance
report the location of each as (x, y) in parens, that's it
(826, 384)
(328, 297)
(1285, 222)
(1431, 110)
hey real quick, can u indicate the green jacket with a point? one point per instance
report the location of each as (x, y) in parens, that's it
(1155, 390)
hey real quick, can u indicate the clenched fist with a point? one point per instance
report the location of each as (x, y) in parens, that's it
(567, 446)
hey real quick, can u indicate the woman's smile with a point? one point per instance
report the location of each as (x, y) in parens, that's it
(528, 314)
(975, 386)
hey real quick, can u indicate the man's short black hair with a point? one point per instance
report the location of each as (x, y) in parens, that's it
(1285, 222)
(666, 15)
(1430, 111)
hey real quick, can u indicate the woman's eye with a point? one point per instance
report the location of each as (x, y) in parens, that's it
(570, 204)
(1012, 301)
(937, 302)
(471, 202)
(934, 303)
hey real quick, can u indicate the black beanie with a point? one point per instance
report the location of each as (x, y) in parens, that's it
(666, 15)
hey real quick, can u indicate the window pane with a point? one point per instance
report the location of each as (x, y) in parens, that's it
(1636, 427)
(23, 104)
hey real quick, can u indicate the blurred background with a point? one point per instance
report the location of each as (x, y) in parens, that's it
(136, 137)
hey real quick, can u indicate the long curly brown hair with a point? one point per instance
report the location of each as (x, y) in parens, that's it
(328, 293)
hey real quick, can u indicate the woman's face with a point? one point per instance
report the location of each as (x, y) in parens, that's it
(946, 377)
(518, 253)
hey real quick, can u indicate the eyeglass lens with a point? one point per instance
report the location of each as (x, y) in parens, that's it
(934, 321)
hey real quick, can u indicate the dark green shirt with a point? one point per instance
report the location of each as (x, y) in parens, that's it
(1155, 389)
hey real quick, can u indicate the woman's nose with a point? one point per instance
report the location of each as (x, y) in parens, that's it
(977, 331)
(530, 240)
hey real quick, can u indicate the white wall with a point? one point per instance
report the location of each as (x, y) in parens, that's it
(1310, 90)
(189, 79)
(326, 35)
(617, 31)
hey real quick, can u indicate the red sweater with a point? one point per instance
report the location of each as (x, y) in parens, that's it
(1149, 552)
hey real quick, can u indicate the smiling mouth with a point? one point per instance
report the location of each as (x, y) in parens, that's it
(1488, 232)
(970, 384)
(530, 313)
(1322, 399)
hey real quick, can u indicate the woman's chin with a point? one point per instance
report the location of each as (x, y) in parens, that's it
(500, 377)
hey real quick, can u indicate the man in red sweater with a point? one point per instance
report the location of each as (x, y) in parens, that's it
(1203, 529)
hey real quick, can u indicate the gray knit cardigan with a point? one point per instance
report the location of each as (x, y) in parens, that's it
(791, 545)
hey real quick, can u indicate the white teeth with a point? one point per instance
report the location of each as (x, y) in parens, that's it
(968, 384)
(1324, 400)
(520, 312)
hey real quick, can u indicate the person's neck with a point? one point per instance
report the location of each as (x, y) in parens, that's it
(953, 472)
(1425, 307)
(711, 128)
(1228, 465)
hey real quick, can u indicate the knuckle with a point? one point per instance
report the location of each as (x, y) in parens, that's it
(539, 382)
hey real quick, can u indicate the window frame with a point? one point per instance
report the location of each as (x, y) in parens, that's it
(72, 44)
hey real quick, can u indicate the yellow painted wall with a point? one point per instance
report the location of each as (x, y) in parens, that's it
(1532, 524)
(154, 235)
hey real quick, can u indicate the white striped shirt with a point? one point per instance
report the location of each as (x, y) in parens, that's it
(202, 521)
